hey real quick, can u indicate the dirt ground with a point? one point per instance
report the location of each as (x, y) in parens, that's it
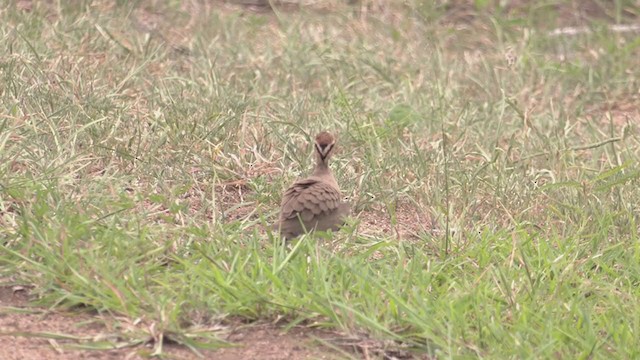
(18, 318)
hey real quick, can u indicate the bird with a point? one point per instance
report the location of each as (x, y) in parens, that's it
(314, 203)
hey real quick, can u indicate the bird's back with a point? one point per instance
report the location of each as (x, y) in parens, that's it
(311, 204)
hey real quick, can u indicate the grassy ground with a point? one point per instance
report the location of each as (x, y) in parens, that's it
(493, 169)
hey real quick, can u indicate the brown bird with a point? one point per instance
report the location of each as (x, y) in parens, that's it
(314, 203)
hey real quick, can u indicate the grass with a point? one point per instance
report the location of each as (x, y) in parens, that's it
(143, 149)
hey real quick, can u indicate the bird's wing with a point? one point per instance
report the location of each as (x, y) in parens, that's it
(309, 198)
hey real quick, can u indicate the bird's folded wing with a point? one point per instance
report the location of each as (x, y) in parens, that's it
(309, 198)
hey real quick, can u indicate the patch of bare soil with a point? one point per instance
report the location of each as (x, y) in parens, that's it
(273, 344)
(410, 222)
(19, 323)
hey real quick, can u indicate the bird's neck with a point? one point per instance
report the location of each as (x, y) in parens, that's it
(323, 172)
(322, 167)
